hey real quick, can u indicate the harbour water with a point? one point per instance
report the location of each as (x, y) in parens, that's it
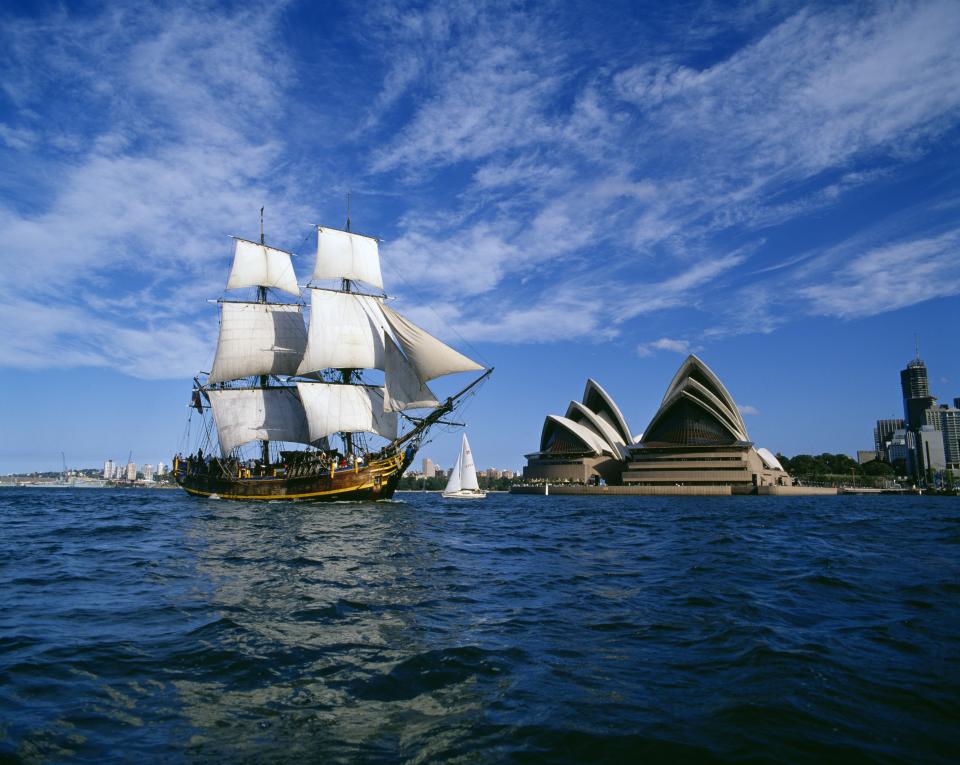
(147, 626)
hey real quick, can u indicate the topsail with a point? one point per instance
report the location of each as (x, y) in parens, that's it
(256, 265)
(258, 339)
(344, 255)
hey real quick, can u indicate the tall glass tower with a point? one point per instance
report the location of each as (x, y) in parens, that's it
(916, 394)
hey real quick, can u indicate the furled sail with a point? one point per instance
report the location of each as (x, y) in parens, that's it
(430, 357)
(345, 332)
(248, 414)
(343, 255)
(346, 408)
(256, 265)
(258, 339)
(403, 390)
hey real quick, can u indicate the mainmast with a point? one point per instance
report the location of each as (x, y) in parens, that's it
(264, 379)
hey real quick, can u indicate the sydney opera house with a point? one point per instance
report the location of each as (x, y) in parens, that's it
(697, 438)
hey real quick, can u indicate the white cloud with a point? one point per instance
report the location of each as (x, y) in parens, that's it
(133, 228)
(747, 409)
(665, 344)
(887, 278)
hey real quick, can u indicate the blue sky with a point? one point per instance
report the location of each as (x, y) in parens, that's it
(564, 190)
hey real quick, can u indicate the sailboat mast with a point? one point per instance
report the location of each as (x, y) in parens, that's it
(264, 379)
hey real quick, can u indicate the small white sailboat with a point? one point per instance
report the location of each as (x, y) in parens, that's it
(463, 478)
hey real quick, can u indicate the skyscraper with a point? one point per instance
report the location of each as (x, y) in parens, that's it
(916, 401)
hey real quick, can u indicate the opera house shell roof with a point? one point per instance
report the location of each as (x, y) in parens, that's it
(696, 410)
(696, 437)
(592, 438)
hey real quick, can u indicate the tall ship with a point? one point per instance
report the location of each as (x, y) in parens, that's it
(333, 410)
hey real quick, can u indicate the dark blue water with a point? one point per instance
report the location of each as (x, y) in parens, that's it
(148, 626)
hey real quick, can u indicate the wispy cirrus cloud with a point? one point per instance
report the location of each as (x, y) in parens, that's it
(533, 181)
(888, 277)
(121, 246)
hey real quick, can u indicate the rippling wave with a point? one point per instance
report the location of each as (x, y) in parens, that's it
(150, 626)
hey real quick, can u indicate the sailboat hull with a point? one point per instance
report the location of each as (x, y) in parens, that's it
(375, 481)
(464, 494)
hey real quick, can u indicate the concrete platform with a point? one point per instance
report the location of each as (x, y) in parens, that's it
(619, 491)
(560, 490)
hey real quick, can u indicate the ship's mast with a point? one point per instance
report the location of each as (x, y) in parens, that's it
(347, 374)
(264, 379)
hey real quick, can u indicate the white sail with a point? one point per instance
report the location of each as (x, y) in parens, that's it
(346, 408)
(346, 332)
(343, 255)
(403, 390)
(256, 265)
(468, 471)
(258, 339)
(453, 482)
(248, 414)
(463, 477)
(430, 357)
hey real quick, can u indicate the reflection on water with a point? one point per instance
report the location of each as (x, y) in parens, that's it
(149, 625)
(323, 620)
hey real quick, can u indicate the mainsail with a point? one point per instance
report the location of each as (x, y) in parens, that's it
(248, 414)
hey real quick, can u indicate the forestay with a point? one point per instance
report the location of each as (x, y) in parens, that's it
(266, 414)
(345, 409)
(256, 265)
(343, 255)
(430, 357)
(345, 332)
(258, 339)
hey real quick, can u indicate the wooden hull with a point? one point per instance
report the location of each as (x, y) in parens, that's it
(375, 481)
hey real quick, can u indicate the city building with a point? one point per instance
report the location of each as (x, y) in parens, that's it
(867, 455)
(429, 469)
(131, 471)
(147, 471)
(917, 401)
(899, 445)
(698, 438)
(950, 429)
(161, 469)
(108, 469)
(929, 443)
(883, 433)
